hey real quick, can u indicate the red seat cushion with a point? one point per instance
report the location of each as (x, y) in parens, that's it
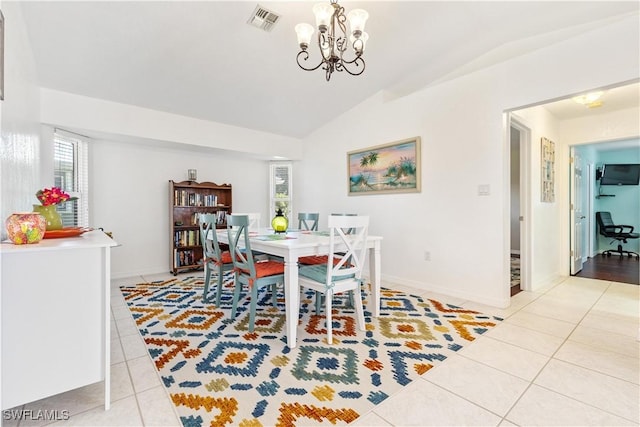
(316, 259)
(267, 268)
(225, 257)
(313, 259)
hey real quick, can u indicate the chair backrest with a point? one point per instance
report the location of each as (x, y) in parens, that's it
(208, 237)
(254, 220)
(349, 249)
(348, 231)
(239, 244)
(604, 220)
(308, 221)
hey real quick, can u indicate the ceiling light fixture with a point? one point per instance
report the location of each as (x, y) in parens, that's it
(589, 100)
(332, 39)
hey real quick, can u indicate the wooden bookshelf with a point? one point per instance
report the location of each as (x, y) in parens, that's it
(187, 199)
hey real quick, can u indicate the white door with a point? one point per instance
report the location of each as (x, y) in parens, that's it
(523, 229)
(577, 214)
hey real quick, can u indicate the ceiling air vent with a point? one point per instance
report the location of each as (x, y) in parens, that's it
(263, 18)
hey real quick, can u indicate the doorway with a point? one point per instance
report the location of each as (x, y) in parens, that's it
(582, 127)
(519, 143)
(590, 196)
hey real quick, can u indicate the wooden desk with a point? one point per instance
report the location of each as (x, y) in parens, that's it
(55, 317)
(303, 244)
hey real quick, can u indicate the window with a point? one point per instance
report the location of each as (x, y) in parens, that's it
(280, 189)
(70, 172)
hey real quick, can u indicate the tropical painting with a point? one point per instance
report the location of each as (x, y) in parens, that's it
(385, 168)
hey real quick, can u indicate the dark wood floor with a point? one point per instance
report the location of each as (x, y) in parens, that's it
(614, 268)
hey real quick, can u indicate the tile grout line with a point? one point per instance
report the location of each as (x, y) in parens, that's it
(150, 361)
(552, 357)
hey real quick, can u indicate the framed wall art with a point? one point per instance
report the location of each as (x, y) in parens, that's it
(387, 168)
(547, 159)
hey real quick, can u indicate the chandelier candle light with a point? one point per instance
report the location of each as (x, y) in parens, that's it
(332, 39)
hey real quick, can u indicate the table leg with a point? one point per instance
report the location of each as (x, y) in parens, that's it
(292, 299)
(374, 275)
(106, 329)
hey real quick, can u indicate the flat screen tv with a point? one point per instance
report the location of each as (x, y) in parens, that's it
(620, 174)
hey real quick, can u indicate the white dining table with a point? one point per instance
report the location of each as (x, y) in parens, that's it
(295, 244)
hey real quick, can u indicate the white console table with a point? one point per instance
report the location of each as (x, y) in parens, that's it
(55, 317)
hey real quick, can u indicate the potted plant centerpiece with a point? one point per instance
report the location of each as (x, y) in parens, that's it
(50, 198)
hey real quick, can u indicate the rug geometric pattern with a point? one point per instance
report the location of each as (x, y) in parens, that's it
(515, 271)
(217, 373)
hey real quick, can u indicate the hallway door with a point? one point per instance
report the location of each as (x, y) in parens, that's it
(520, 146)
(577, 214)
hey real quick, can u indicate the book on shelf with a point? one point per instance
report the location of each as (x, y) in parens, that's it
(184, 258)
(222, 217)
(186, 198)
(186, 238)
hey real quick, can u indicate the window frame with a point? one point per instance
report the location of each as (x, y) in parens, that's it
(78, 183)
(274, 199)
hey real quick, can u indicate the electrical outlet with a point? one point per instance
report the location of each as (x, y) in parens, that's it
(427, 256)
(484, 190)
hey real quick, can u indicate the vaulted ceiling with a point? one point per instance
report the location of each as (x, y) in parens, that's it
(201, 59)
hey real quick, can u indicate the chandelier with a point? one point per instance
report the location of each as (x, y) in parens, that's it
(332, 39)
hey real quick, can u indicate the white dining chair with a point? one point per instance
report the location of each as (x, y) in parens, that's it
(342, 271)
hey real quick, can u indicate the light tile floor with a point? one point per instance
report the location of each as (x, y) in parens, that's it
(567, 355)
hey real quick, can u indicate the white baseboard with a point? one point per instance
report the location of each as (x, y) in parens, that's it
(447, 290)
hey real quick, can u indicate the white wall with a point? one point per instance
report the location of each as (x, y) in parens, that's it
(20, 151)
(91, 115)
(465, 145)
(545, 218)
(129, 187)
(617, 125)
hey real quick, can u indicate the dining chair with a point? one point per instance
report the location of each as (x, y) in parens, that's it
(308, 221)
(345, 275)
(348, 231)
(322, 259)
(254, 220)
(215, 260)
(254, 274)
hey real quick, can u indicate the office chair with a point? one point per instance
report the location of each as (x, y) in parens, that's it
(616, 232)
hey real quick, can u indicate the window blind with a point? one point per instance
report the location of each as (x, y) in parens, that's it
(71, 174)
(280, 188)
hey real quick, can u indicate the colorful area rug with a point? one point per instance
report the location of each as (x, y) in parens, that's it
(219, 374)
